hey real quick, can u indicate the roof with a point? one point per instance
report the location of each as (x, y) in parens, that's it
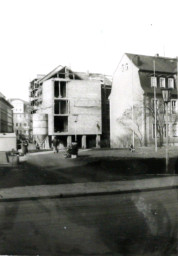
(2, 98)
(145, 80)
(80, 75)
(10, 100)
(162, 64)
(54, 72)
(95, 76)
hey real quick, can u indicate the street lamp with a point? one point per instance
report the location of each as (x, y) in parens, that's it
(154, 85)
(76, 120)
(133, 133)
(166, 93)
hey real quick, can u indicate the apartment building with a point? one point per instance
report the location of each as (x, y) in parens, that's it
(22, 118)
(132, 99)
(7, 136)
(71, 105)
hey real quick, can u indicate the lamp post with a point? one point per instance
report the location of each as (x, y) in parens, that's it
(76, 120)
(154, 85)
(166, 93)
(136, 57)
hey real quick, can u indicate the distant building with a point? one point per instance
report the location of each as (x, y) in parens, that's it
(71, 105)
(22, 117)
(7, 137)
(132, 101)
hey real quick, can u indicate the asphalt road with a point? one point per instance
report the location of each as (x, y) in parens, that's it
(126, 224)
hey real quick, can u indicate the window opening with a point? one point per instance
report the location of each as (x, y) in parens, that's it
(173, 106)
(175, 130)
(170, 83)
(162, 82)
(60, 124)
(56, 89)
(153, 131)
(63, 89)
(61, 107)
(153, 82)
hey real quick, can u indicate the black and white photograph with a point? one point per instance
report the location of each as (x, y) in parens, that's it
(88, 128)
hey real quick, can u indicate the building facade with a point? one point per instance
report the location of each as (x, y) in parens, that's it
(6, 116)
(134, 101)
(22, 118)
(68, 105)
(7, 136)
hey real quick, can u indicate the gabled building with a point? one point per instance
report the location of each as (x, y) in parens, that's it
(132, 118)
(22, 118)
(72, 106)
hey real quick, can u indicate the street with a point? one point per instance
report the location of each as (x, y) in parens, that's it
(125, 224)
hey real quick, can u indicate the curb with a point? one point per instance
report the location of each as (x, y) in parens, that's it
(87, 189)
(72, 195)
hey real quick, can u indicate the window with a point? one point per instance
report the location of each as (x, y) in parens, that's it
(126, 66)
(122, 67)
(59, 89)
(173, 106)
(60, 124)
(153, 131)
(153, 81)
(16, 124)
(61, 107)
(175, 130)
(153, 102)
(165, 130)
(162, 82)
(56, 89)
(63, 89)
(170, 83)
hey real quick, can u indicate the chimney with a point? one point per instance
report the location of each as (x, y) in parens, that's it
(136, 58)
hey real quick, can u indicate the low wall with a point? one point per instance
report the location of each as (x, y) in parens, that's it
(8, 141)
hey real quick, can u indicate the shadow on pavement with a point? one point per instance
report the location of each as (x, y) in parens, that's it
(81, 170)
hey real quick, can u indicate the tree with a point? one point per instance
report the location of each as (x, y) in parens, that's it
(136, 124)
(133, 125)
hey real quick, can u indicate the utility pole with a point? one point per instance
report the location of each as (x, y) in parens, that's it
(155, 107)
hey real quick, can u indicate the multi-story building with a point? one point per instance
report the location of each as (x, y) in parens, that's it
(7, 136)
(72, 106)
(133, 100)
(22, 117)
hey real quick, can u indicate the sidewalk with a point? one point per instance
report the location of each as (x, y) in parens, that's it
(86, 189)
(95, 172)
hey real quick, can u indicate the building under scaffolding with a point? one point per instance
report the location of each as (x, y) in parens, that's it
(72, 106)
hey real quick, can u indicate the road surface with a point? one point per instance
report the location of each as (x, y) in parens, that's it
(126, 224)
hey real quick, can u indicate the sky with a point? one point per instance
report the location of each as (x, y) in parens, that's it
(87, 35)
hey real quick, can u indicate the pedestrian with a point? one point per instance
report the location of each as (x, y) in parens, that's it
(55, 144)
(25, 147)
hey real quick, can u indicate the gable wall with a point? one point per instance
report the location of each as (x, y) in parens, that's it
(126, 85)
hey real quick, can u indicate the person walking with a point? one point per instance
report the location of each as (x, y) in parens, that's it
(24, 146)
(55, 144)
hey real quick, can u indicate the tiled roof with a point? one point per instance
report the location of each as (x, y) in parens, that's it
(162, 64)
(145, 80)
